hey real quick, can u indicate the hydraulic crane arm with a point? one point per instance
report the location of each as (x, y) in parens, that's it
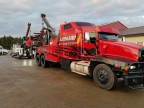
(51, 30)
(28, 29)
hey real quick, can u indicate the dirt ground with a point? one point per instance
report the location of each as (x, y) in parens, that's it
(24, 85)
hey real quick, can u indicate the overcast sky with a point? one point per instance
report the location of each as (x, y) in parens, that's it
(15, 14)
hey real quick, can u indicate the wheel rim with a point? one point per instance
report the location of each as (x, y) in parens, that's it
(103, 76)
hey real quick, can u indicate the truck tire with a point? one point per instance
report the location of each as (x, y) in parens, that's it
(104, 77)
(19, 57)
(31, 52)
(38, 61)
(4, 53)
(44, 63)
(24, 46)
(28, 54)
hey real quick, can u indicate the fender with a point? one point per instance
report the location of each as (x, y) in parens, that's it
(37, 53)
(43, 53)
(110, 60)
(115, 63)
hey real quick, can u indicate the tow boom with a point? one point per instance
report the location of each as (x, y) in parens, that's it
(51, 30)
(28, 29)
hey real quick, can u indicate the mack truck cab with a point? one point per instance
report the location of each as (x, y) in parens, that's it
(86, 49)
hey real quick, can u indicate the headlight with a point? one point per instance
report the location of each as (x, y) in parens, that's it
(132, 67)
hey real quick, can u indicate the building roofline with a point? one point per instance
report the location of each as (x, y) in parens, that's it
(135, 27)
(132, 31)
(112, 23)
(131, 35)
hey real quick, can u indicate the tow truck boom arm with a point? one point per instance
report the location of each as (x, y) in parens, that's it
(29, 25)
(48, 25)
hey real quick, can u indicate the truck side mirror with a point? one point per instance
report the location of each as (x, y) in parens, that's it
(87, 37)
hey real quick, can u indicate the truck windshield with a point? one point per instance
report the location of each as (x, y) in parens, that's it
(84, 24)
(35, 38)
(107, 36)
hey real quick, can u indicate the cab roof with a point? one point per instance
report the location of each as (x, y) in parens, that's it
(107, 30)
(77, 22)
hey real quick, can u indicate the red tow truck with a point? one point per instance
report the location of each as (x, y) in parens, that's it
(30, 43)
(86, 49)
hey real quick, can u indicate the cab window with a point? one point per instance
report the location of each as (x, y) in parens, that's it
(84, 24)
(67, 26)
(35, 38)
(90, 37)
(107, 36)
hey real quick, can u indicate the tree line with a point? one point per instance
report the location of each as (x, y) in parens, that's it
(7, 41)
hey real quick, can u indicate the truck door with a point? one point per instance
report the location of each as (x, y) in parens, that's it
(89, 44)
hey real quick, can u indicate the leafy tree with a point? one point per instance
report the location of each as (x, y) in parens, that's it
(8, 41)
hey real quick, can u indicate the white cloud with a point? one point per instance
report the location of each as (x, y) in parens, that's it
(15, 14)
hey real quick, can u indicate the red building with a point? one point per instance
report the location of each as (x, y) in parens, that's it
(117, 25)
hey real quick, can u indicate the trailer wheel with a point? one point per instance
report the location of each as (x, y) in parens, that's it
(104, 77)
(38, 61)
(44, 63)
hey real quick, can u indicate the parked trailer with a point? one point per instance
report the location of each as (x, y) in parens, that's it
(86, 49)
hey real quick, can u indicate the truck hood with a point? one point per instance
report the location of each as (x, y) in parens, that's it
(121, 49)
(127, 44)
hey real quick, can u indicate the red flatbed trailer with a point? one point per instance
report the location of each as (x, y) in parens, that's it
(86, 49)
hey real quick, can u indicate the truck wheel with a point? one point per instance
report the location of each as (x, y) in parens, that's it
(44, 63)
(4, 53)
(27, 54)
(19, 57)
(38, 61)
(104, 77)
(31, 51)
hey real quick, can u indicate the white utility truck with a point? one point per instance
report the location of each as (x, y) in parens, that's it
(19, 52)
(3, 51)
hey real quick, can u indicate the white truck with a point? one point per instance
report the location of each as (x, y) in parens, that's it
(19, 52)
(3, 51)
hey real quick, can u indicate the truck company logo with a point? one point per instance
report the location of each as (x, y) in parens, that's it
(68, 38)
